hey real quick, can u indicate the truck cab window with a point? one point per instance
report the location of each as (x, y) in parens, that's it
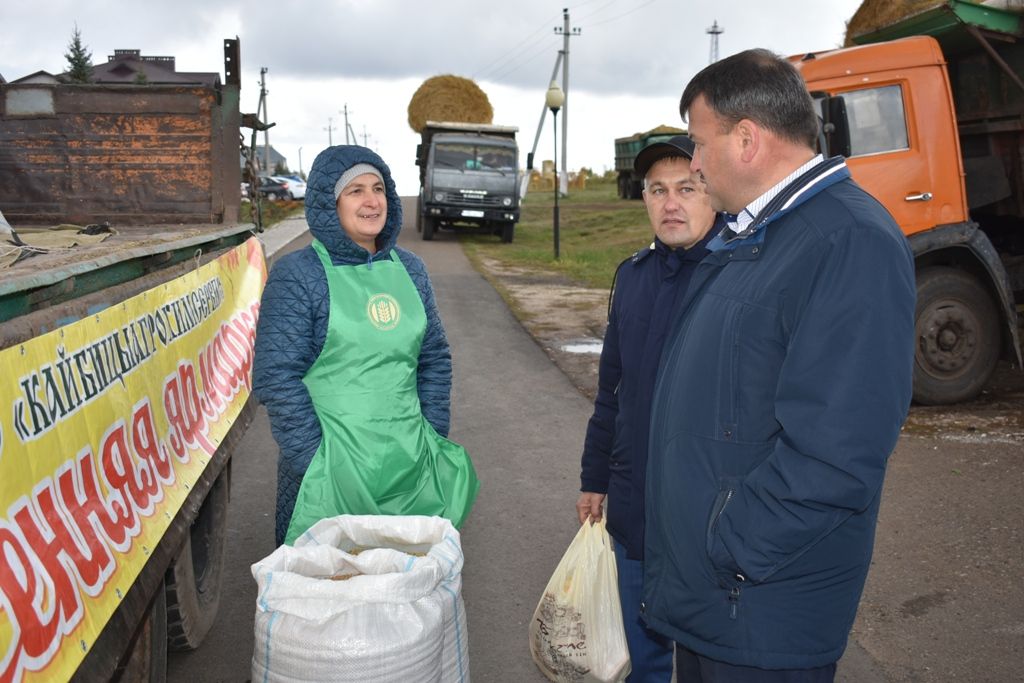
(455, 156)
(876, 119)
(498, 158)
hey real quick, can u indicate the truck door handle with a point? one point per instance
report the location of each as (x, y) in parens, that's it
(920, 197)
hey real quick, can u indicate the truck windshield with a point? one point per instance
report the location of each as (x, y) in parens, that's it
(876, 119)
(475, 157)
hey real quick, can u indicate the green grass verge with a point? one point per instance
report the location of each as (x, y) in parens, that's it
(597, 230)
(273, 212)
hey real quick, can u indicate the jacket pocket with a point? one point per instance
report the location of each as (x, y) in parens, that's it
(721, 565)
(744, 353)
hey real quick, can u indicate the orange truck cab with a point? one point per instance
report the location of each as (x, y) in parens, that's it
(929, 112)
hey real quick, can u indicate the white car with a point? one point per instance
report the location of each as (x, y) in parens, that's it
(295, 186)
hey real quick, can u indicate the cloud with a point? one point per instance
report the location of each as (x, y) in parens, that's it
(628, 64)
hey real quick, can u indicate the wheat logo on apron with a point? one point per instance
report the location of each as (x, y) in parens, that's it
(383, 311)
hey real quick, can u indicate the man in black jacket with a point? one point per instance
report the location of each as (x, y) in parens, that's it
(647, 287)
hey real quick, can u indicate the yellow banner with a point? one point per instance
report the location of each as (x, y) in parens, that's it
(105, 425)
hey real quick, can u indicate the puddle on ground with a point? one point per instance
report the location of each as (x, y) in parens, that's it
(583, 346)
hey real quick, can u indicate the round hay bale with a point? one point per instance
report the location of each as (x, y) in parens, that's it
(449, 98)
(874, 14)
(665, 130)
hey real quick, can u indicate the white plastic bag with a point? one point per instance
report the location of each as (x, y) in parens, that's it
(576, 633)
(363, 598)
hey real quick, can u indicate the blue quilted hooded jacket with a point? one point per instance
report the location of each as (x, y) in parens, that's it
(293, 324)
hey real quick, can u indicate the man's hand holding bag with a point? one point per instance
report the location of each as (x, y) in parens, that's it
(576, 633)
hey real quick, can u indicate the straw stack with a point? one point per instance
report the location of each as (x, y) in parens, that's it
(449, 98)
(665, 130)
(874, 14)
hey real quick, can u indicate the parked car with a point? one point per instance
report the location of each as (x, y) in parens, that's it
(296, 186)
(273, 189)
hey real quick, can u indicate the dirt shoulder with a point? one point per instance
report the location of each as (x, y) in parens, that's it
(563, 317)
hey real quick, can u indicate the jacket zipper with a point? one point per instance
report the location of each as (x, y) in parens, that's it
(734, 602)
(734, 592)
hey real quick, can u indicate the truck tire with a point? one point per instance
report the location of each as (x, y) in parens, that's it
(193, 580)
(429, 226)
(508, 231)
(957, 336)
(146, 659)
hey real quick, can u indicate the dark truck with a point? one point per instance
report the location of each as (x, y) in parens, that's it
(468, 178)
(126, 343)
(626, 150)
(929, 111)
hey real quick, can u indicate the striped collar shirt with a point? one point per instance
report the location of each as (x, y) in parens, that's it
(742, 221)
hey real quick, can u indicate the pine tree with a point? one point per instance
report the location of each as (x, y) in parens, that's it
(79, 59)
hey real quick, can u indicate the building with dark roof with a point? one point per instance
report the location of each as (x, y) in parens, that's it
(130, 66)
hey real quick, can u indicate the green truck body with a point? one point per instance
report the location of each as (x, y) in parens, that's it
(626, 149)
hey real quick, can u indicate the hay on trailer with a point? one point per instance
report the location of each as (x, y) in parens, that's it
(874, 14)
(666, 130)
(449, 98)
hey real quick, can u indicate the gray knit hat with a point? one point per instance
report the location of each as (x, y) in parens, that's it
(353, 173)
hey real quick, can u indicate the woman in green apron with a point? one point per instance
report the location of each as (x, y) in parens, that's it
(352, 362)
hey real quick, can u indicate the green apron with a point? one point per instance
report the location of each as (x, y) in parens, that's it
(378, 455)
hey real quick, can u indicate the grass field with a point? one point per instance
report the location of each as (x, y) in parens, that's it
(597, 230)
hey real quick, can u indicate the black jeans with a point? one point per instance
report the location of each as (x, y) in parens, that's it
(694, 668)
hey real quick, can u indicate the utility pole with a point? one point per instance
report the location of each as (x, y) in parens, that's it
(540, 124)
(365, 136)
(566, 33)
(329, 128)
(348, 127)
(266, 117)
(714, 32)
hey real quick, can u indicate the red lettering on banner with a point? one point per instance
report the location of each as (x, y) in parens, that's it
(73, 551)
(212, 380)
(86, 509)
(22, 589)
(147, 444)
(117, 467)
(187, 419)
(225, 365)
(58, 603)
(55, 545)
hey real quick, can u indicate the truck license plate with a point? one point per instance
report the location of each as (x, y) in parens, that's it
(468, 213)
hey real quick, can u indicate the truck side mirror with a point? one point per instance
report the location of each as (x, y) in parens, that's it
(529, 161)
(419, 154)
(837, 126)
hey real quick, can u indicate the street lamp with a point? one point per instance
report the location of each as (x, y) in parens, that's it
(554, 98)
(300, 161)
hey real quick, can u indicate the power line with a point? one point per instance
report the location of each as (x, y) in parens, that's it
(597, 10)
(512, 68)
(483, 70)
(619, 16)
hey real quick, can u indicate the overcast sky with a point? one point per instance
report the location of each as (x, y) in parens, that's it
(627, 66)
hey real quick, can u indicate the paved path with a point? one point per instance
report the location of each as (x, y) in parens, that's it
(522, 422)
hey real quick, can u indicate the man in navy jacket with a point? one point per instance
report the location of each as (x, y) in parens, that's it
(781, 392)
(647, 287)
